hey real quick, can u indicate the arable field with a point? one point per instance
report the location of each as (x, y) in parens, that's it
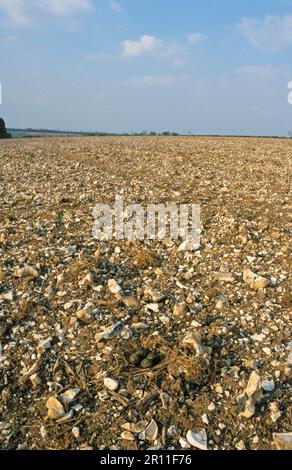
(185, 349)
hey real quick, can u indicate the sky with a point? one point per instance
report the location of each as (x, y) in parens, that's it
(205, 67)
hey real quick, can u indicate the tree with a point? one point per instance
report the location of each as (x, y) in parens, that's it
(3, 131)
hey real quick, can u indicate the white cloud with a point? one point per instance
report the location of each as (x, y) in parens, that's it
(145, 44)
(179, 62)
(115, 6)
(65, 7)
(195, 38)
(262, 71)
(153, 81)
(272, 33)
(15, 10)
(21, 12)
(149, 44)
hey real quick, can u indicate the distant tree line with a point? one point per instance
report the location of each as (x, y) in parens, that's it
(31, 131)
(3, 131)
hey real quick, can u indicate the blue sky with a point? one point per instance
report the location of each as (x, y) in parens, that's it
(130, 65)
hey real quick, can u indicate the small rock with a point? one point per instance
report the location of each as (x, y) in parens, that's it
(251, 364)
(268, 385)
(283, 441)
(205, 419)
(8, 295)
(45, 345)
(43, 432)
(85, 316)
(153, 307)
(55, 408)
(194, 340)
(35, 380)
(211, 407)
(180, 310)
(254, 384)
(267, 351)
(275, 412)
(224, 190)
(127, 436)
(249, 410)
(189, 245)
(111, 384)
(254, 281)
(135, 428)
(70, 395)
(27, 271)
(139, 326)
(251, 396)
(155, 296)
(76, 432)
(71, 251)
(225, 277)
(110, 332)
(88, 280)
(240, 445)
(114, 286)
(67, 417)
(131, 302)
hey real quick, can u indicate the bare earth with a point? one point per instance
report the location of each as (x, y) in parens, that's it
(193, 352)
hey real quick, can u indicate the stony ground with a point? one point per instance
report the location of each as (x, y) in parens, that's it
(135, 344)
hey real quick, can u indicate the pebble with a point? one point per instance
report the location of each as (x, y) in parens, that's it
(85, 316)
(194, 340)
(153, 307)
(8, 295)
(254, 281)
(55, 408)
(127, 436)
(35, 380)
(131, 302)
(70, 395)
(27, 271)
(43, 432)
(88, 280)
(67, 417)
(251, 396)
(114, 286)
(155, 296)
(283, 441)
(189, 245)
(275, 412)
(254, 384)
(268, 385)
(76, 432)
(135, 428)
(111, 384)
(180, 310)
(110, 332)
(240, 445)
(267, 351)
(45, 345)
(225, 277)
